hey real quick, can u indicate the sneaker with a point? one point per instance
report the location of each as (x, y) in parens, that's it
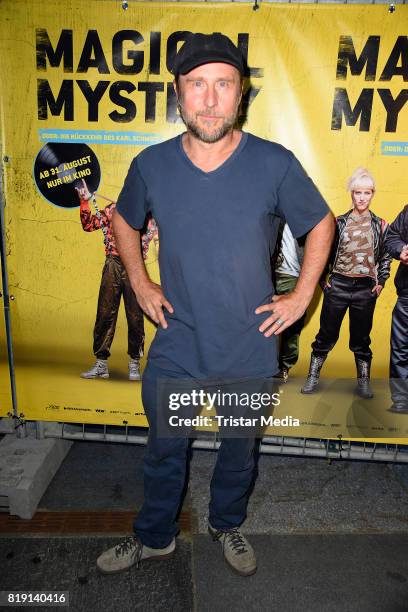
(131, 552)
(99, 370)
(134, 369)
(236, 549)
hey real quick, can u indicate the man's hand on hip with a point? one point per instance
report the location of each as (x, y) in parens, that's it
(151, 300)
(288, 308)
(285, 309)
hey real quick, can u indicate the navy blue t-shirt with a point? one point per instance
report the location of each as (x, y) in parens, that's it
(215, 232)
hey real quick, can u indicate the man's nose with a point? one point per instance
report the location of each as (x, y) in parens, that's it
(211, 96)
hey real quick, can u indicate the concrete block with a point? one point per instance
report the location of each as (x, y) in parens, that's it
(27, 466)
(6, 425)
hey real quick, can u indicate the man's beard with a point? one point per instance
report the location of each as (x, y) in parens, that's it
(214, 136)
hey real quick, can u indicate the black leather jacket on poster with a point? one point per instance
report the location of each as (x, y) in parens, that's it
(397, 237)
(379, 228)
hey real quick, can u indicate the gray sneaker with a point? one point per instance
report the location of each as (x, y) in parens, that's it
(131, 552)
(134, 369)
(236, 549)
(99, 370)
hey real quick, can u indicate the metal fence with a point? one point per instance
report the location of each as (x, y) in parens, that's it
(273, 445)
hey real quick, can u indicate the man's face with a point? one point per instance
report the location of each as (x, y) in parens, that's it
(209, 98)
(361, 197)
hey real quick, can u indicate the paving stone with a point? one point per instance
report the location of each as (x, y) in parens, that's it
(68, 564)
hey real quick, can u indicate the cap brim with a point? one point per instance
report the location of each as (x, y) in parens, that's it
(188, 66)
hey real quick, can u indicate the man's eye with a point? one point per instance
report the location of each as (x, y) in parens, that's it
(197, 83)
(223, 83)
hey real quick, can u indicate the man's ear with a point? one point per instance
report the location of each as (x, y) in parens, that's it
(241, 92)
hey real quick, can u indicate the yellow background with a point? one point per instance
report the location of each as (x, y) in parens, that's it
(54, 267)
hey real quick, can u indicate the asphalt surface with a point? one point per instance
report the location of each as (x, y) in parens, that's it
(329, 536)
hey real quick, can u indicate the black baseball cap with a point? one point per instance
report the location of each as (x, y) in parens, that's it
(202, 49)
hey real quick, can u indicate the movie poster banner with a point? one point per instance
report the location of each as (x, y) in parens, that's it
(86, 85)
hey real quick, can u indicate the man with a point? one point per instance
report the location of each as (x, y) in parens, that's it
(397, 247)
(114, 284)
(214, 309)
(287, 269)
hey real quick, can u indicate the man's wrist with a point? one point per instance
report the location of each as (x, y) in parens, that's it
(142, 282)
(303, 295)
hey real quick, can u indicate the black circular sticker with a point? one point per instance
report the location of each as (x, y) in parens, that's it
(60, 167)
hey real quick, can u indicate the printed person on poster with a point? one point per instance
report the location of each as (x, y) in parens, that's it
(114, 285)
(287, 262)
(397, 246)
(359, 267)
(216, 311)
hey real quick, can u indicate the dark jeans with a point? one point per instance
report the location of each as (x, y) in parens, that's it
(347, 293)
(289, 338)
(114, 284)
(399, 352)
(165, 474)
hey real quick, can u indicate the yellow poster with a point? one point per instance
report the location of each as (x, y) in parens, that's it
(86, 85)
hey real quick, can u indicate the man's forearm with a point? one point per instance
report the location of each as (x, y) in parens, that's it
(128, 245)
(317, 250)
(149, 294)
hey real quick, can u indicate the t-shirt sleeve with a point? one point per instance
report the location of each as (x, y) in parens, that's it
(132, 202)
(299, 200)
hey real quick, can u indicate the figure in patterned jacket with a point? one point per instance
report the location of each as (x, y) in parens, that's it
(114, 285)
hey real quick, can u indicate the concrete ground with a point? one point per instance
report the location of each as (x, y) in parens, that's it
(329, 537)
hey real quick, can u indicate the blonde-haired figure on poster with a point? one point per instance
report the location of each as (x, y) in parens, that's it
(114, 285)
(360, 265)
